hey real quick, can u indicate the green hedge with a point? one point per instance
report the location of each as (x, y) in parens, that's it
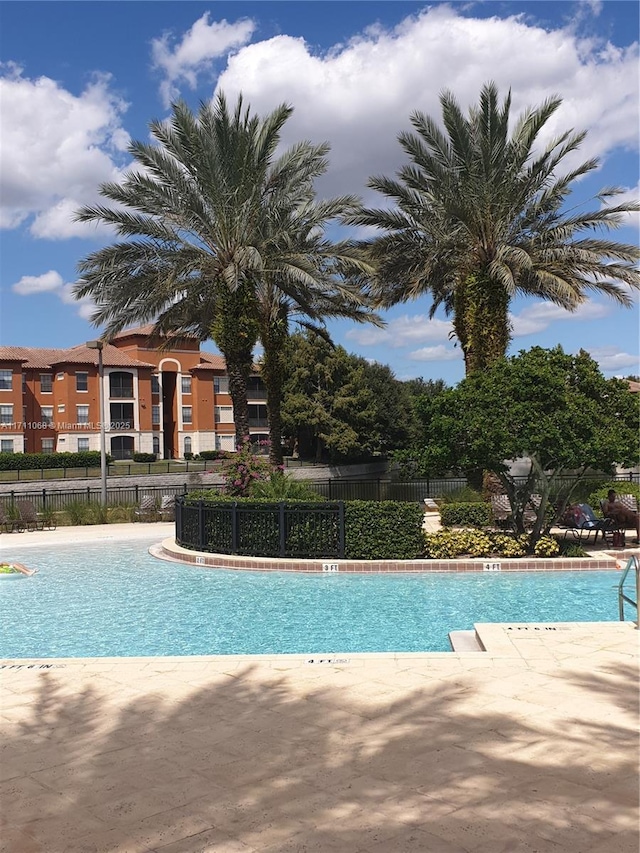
(214, 454)
(144, 457)
(383, 530)
(31, 461)
(374, 530)
(466, 515)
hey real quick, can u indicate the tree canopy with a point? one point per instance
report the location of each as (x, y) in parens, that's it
(554, 409)
(479, 216)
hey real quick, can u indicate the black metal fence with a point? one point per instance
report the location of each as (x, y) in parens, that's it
(58, 500)
(267, 530)
(332, 490)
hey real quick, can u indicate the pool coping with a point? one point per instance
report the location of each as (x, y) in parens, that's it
(169, 550)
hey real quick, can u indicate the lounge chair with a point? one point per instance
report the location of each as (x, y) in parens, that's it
(10, 525)
(167, 508)
(147, 509)
(28, 515)
(500, 509)
(581, 522)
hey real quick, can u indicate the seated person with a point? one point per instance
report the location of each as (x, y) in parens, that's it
(618, 512)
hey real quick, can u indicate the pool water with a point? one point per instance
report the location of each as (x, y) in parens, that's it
(115, 599)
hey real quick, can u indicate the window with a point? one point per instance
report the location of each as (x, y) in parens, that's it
(186, 384)
(225, 442)
(6, 445)
(82, 381)
(122, 447)
(256, 389)
(221, 386)
(121, 415)
(6, 377)
(155, 384)
(60, 407)
(59, 377)
(82, 415)
(83, 444)
(156, 445)
(6, 415)
(186, 415)
(155, 414)
(257, 415)
(46, 383)
(121, 384)
(47, 445)
(187, 445)
(46, 415)
(224, 414)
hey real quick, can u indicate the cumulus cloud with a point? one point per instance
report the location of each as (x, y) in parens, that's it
(402, 331)
(195, 53)
(56, 149)
(52, 282)
(439, 353)
(359, 95)
(611, 360)
(537, 317)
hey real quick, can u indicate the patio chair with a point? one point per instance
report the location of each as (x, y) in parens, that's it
(147, 509)
(580, 522)
(167, 508)
(500, 509)
(28, 516)
(10, 525)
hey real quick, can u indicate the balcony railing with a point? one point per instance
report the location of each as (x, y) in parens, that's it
(258, 422)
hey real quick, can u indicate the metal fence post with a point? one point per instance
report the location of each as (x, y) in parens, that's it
(283, 537)
(341, 529)
(234, 527)
(200, 526)
(44, 498)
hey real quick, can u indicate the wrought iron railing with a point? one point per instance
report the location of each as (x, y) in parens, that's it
(309, 530)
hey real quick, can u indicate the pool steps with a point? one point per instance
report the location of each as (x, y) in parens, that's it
(465, 641)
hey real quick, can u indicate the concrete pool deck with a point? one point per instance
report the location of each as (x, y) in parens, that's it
(528, 747)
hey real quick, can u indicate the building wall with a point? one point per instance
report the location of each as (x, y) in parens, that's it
(184, 403)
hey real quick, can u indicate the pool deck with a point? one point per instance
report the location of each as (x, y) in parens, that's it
(528, 747)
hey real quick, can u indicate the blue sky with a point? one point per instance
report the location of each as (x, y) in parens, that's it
(79, 79)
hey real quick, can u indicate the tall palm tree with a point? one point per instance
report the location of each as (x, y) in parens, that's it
(205, 218)
(479, 217)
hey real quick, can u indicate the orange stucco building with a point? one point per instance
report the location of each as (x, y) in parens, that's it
(168, 401)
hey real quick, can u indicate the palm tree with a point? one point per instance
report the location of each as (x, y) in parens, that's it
(479, 217)
(206, 220)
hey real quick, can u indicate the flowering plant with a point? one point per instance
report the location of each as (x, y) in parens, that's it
(243, 470)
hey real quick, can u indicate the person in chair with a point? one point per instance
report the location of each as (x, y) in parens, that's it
(618, 512)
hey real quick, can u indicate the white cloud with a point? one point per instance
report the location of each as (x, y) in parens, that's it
(56, 150)
(359, 95)
(30, 284)
(439, 353)
(402, 331)
(537, 317)
(52, 282)
(610, 360)
(195, 52)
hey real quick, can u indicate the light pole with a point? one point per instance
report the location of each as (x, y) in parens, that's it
(103, 449)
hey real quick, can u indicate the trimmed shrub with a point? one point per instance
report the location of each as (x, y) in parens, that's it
(449, 544)
(31, 461)
(466, 515)
(214, 454)
(144, 457)
(546, 546)
(383, 530)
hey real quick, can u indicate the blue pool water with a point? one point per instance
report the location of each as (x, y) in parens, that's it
(114, 599)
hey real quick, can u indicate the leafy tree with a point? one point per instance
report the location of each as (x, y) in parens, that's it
(339, 407)
(553, 408)
(223, 239)
(479, 218)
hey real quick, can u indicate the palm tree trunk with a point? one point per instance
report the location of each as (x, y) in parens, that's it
(235, 332)
(481, 321)
(274, 336)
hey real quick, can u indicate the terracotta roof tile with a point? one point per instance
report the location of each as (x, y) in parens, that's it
(39, 358)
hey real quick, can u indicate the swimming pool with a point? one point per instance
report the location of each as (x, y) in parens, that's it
(115, 599)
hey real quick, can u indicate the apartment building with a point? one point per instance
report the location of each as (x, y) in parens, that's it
(170, 401)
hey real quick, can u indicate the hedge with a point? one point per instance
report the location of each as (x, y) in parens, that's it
(383, 530)
(144, 457)
(466, 515)
(31, 461)
(374, 530)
